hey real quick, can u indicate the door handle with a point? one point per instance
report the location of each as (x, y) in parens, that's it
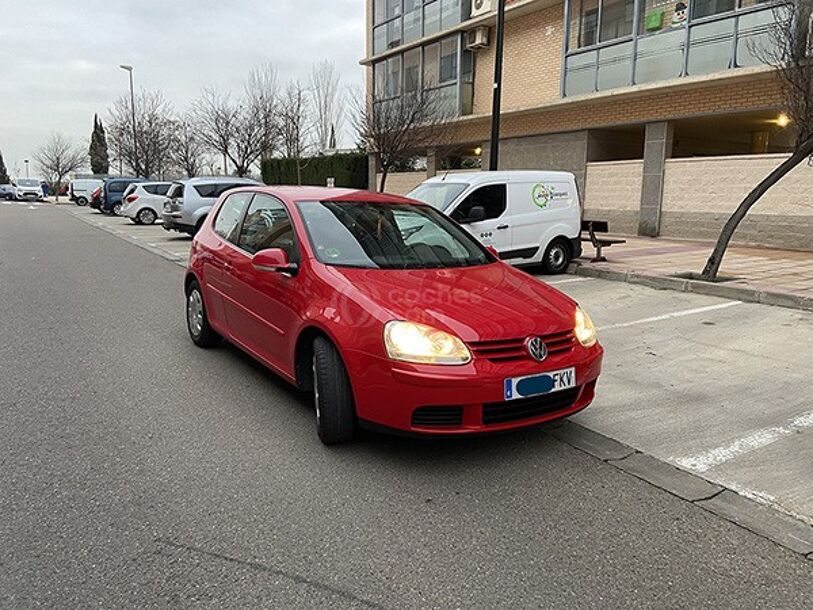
(501, 227)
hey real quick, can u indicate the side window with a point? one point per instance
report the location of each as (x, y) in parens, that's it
(227, 223)
(117, 187)
(161, 189)
(267, 225)
(491, 198)
(175, 191)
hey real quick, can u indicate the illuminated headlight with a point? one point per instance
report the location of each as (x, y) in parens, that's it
(410, 342)
(584, 329)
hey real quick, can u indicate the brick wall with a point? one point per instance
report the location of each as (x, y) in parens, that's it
(532, 62)
(613, 193)
(700, 194)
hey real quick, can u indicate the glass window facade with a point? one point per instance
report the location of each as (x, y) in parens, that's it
(444, 66)
(618, 43)
(398, 22)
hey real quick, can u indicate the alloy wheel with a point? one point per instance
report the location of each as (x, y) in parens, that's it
(194, 312)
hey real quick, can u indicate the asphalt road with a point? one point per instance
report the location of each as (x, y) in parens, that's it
(138, 470)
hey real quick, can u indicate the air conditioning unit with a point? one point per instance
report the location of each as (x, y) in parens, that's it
(477, 38)
(481, 7)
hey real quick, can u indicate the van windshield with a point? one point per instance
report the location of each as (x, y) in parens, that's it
(439, 195)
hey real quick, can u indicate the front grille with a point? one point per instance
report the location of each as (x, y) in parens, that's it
(528, 408)
(514, 349)
(437, 417)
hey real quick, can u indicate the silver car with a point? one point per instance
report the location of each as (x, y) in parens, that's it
(28, 189)
(143, 202)
(190, 201)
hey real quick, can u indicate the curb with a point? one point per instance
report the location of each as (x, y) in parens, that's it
(661, 282)
(759, 519)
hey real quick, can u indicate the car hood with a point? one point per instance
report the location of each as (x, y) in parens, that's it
(488, 302)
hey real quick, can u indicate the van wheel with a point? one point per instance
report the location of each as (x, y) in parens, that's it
(557, 257)
(81, 202)
(333, 396)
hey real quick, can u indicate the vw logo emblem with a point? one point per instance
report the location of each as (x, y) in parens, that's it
(536, 348)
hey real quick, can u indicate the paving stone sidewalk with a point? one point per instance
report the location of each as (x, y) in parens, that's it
(759, 269)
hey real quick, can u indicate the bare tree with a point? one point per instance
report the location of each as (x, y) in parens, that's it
(154, 133)
(58, 158)
(243, 129)
(327, 107)
(295, 125)
(398, 129)
(187, 149)
(791, 53)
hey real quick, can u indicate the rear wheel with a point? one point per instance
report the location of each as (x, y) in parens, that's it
(557, 256)
(197, 322)
(116, 209)
(333, 396)
(146, 216)
(82, 202)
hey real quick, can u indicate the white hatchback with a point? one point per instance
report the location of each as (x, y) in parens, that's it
(528, 217)
(143, 202)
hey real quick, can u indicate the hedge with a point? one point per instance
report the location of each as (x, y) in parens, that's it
(349, 170)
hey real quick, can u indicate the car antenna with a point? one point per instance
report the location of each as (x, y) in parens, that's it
(445, 176)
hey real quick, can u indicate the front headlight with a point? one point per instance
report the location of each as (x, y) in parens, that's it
(584, 329)
(410, 342)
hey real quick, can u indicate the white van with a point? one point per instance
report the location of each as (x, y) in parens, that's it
(529, 217)
(79, 191)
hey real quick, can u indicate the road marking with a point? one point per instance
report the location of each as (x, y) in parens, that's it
(756, 440)
(572, 281)
(670, 316)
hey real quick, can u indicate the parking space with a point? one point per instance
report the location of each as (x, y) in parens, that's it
(716, 387)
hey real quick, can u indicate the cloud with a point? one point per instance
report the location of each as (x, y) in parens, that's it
(61, 59)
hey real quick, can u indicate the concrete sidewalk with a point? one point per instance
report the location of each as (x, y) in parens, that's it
(758, 270)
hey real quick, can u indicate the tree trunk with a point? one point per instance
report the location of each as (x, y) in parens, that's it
(384, 173)
(712, 267)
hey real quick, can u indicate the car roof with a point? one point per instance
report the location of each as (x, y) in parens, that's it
(153, 183)
(217, 180)
(324, 193)
(508, 176)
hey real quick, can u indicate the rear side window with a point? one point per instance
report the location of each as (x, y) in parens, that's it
(160, 189)
(227, 223)
(117, 187)
(213, 191)
(491, 198)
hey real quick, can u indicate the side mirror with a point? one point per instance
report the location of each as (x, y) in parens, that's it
(476, 214)
(493, 252)
(275, 260)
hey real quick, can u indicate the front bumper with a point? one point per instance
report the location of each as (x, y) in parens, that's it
(469, 399)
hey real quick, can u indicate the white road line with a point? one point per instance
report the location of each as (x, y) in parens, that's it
(761, 438)
(572, 281)
(669, 316)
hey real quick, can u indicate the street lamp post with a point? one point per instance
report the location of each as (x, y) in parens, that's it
(129, 69)
(26, 168)
(497, 103)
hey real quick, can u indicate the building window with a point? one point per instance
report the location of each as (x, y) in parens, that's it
(615, 16)
(431, 18)
(431, 58)
(412, 71)
(707, 8)
(616, 19)
(448, 61)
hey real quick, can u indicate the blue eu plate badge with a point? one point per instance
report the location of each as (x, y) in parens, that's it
(536, 385)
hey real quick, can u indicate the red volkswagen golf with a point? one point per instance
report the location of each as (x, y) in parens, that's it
(389, 312)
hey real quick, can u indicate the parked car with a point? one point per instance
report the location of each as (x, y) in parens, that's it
(144, 201)
(391, 313)
(96, 198)
(80, 191)
(7, 192)
(28, 189)
(530, 217)
(112, 193)
(190, 201)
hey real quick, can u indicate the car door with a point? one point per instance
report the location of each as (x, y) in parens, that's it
(494, 229)
(220, 248)
(539, 212)
(262, 314)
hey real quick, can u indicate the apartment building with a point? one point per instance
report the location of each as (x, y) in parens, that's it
(663, 109)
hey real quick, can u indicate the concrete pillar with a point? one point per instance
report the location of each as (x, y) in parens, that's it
(658, 142)
(432, 163)
(372, 172)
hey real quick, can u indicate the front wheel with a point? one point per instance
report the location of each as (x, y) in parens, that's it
(197, 322)
(333, 396)
(557, 257)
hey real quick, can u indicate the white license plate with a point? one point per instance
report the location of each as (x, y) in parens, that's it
(536, 385)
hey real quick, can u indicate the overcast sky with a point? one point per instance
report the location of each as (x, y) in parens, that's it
(59, 62)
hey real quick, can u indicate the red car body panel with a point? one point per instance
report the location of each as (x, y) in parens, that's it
(265, 314)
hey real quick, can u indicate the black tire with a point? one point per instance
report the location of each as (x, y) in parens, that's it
(198, 227)
(200, 331)
(146, 216)
(81, 202)
(116, 209)
(333, 396)
(557, 256)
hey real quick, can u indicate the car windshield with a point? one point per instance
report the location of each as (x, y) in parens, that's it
(28, 182)
(387, 236)
(439, 195)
